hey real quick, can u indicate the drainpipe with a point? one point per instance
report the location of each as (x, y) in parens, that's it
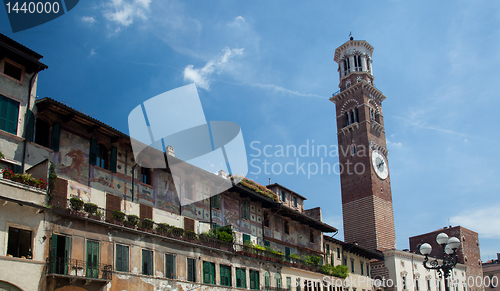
(25, 143)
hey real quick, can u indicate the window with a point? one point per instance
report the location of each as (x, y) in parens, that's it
(287, 227)
(12, 70)
(188, 224)
(267, 243)
(357, 63)
(19, 243)
(121, 258)
(42, 133)
(404, 282)
(254, 279)
(362, 268)
(338, 253)
(145, 211)
(9, 112)
(417, 287)
(216, 201)
(245, 209)
(311, 236)
(345, 262)
(146, 176)
(294, 201)
(282, 195)
(101, 156)
(266, 219)
(352, 266)
(288, 283)
(147, 262)
(298, 284)
(278, 280)
(246, 239)
(287, 252)
(368, 270)
(191, 270)
(429, 286)
(92, 259)
(225, 275)
(241, 278)
(208, 273)
(170, 266)
(327, 248)
(267, 281)
(59, 254)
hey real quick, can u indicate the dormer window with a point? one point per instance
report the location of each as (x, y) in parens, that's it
(294, 201)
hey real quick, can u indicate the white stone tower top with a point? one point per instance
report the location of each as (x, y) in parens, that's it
(354, 56)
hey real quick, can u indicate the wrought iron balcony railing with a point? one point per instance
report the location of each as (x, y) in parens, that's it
(78, 268)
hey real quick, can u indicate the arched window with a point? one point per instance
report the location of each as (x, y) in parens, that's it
(278, 280)
(267, 281)
(42, 132)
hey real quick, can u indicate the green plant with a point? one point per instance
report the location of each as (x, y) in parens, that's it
(90, 208)
(311, 260)
(162, 228)
(99, 214)
(1, 155)
(224, 236)
(132, 220)
(8, 173)
(52, 176)
(147, 223)
(269, 249)
(76, 204)
(118, 215)
(339, 271)
(259, 247)
(294, 256)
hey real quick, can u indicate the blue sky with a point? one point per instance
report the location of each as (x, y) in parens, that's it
(268, 66)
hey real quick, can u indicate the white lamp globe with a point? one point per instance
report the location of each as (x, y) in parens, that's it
(454, 243)
(442, 238)
(448, 250)
(425, 249)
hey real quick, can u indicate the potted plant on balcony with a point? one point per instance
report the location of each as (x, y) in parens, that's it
(132, 221)
(147, 225)
(162, 228)
(117, 217)
(294, 258)
(7, 173)
(91, 209)
(76, 205)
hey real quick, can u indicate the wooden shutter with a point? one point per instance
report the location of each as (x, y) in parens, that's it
(59, 193)
(170, 266)
(191, 270)
(112, 161)
(146, 211)
(113, 203)
(55, 137)
(30, 125)
(188, 224)
(93, 151)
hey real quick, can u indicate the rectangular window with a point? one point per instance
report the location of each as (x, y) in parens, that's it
(225, 275)
(246, 239)
(254, 280)
(146, 176)
(59, 254)
(362, 268)
(289, 283)
(294, 201)
(311, 236)
(338, 253)
(122, 258)
(352, 266)
(245, 209)
(216, 201)
(13, 71)
(9, 114)
(170, 266)
(19, 243)
(147, 262)
(92, 259)
(208, 273)
(266, 219)
(404, 283)
(191, 270)
(267, 243)
(241, 278)
(287, 227)
(368, 270)
(345, 262)
(283, 195)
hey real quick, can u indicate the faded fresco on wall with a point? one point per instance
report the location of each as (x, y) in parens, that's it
(166, 196)
(145, 195)
(72, 160)
(232, 212)
(79, 190)
(105, 181)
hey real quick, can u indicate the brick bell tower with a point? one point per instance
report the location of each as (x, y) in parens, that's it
(365, 183)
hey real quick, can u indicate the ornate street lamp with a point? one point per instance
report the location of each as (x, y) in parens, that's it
(450, 257)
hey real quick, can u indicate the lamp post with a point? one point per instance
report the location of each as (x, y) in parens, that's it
(450, 258)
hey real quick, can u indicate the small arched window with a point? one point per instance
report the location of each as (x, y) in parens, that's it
(267, 281)
(278, 281)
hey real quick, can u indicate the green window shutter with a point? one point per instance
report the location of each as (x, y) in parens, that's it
(191, 270)
(225, 275)
(56, 137)
(147, 262)
(289, 283)
(93, 151)
(206, 272)
(53, 253)
(278, 280)
(240, 278)
(170, 266)
(67, 244)
(246, 238)
(216, 201)
(112, 163)
(119, 258)
(125, 259)
(245, 211)
(267, 243)
(287, 251)
(267, 280)
(30, 125)
(92, 259)
(9, 113)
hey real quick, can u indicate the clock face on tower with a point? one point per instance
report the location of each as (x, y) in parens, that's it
(379, 163)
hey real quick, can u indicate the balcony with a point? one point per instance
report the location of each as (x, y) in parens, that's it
(61, 268)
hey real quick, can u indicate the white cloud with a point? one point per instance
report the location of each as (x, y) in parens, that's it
(394, 144)
(88, 19)
(238, 21)
(203, 77)
(280, 89)
(92, 52)
(485, 221)
(124, 12)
